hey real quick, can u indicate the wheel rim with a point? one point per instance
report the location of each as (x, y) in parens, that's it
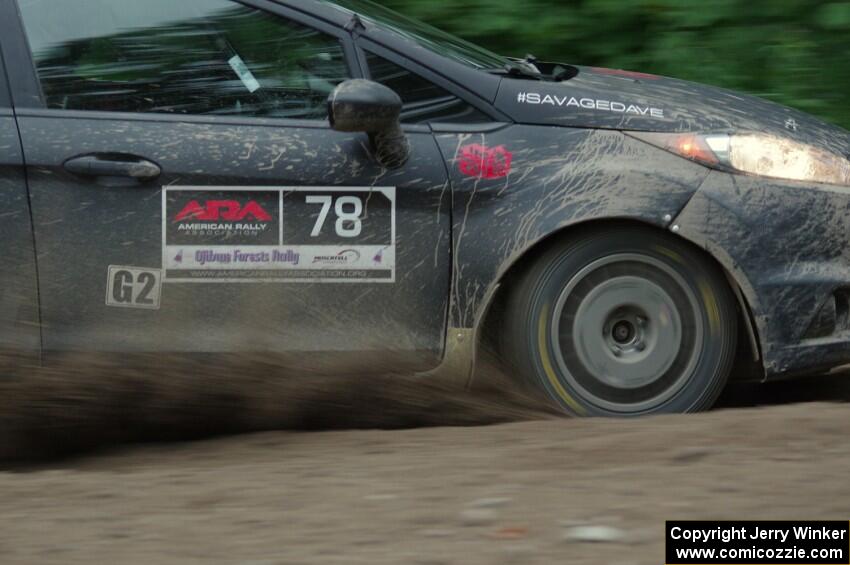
(627, 332)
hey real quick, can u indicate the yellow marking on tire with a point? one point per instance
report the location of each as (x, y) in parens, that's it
(549, 369)
(705, 289)
(710, 305)
(669, 253)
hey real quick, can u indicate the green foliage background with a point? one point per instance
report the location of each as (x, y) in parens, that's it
(796, 52)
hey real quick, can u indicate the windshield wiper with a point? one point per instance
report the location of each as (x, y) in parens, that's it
(525, 68)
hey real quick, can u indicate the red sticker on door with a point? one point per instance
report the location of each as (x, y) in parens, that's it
(479, 161)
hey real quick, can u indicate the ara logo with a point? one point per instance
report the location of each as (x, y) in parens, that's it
(479, 161)
(227, 210)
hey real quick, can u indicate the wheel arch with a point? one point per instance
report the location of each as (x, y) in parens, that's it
(748, 348)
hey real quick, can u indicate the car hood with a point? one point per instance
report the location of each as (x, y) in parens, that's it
(629, 101)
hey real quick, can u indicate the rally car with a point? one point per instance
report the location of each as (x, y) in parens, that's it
(336, 188)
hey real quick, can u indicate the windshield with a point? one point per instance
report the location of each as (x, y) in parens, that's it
(427, 36)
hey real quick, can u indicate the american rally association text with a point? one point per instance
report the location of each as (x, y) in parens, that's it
(726, 535)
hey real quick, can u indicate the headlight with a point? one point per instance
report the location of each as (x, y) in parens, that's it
(756, 154)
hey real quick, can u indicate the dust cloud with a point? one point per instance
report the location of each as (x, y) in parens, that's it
(81, 405)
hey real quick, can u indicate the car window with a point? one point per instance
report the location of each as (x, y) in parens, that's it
(427, 36)
(180, 56)
(423, 100)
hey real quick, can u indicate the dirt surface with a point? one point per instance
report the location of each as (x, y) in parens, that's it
(522, 492)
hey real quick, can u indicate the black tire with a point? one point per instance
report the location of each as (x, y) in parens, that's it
(622, 321)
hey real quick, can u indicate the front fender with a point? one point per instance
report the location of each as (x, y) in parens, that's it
(516, 186)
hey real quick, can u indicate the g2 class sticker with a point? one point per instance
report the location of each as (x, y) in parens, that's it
(278, 234)
(133, 287)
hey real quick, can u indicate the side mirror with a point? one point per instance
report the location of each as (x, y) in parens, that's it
(359, 105)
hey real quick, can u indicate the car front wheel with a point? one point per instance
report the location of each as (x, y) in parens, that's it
(623, 321)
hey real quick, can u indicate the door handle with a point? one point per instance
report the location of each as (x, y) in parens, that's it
(106, 165)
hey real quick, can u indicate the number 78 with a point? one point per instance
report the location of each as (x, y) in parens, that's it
(351, 216)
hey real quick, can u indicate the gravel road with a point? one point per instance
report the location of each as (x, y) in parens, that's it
(531, 489)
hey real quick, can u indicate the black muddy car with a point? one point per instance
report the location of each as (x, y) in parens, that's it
(336, 188)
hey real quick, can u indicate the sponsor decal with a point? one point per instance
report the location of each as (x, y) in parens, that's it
(343, 257)
(230, 210)
(538, 99)
(479, 161)
(133, 287)
(237, 256)
(270, 234)
(238, 218)
(791, 124)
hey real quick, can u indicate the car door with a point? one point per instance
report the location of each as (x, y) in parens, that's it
(19, 324)
(188, 194)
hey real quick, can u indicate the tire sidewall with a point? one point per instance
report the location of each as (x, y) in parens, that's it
(707, 376)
